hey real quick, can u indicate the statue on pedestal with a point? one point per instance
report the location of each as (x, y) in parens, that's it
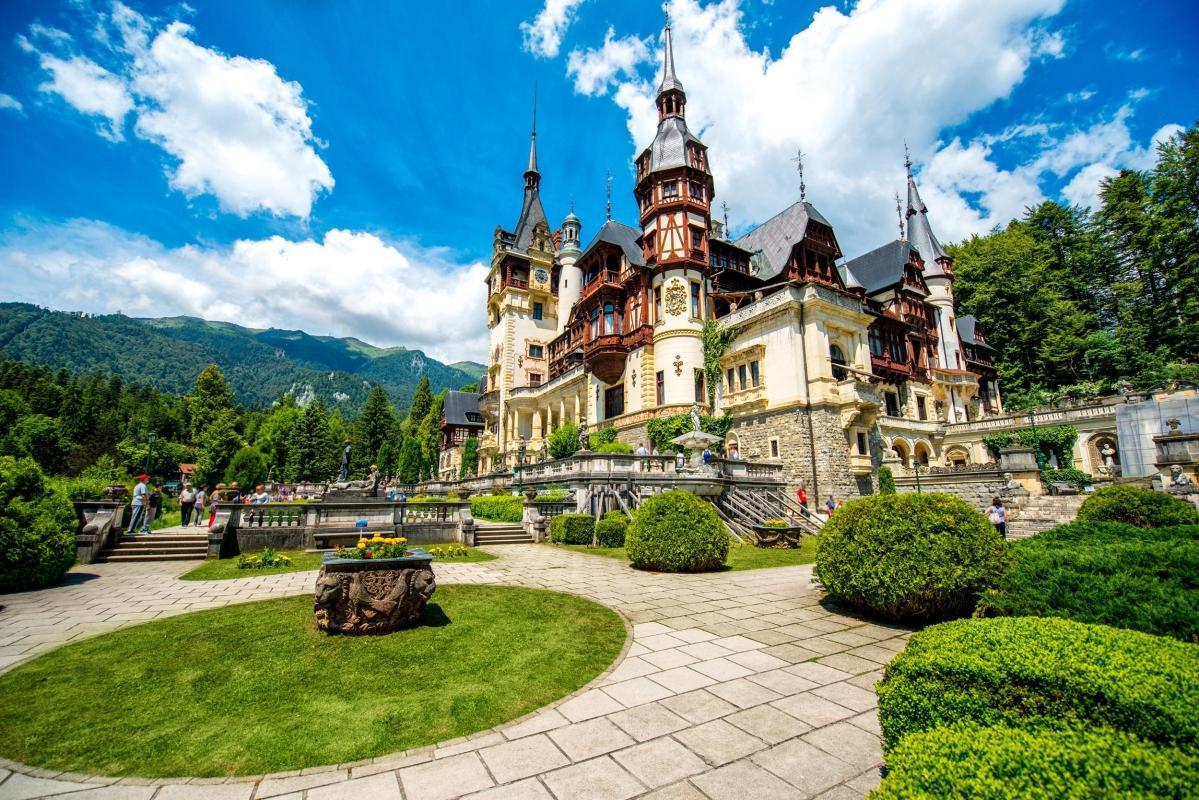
(584, 442)
(695, 422)
(1178, 477)
(344, 473)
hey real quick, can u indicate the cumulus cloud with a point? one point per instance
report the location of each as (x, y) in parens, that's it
(543, 36)
(595, 69)
(346, 283)
(10, 103)
(233, 128)
(849, 89)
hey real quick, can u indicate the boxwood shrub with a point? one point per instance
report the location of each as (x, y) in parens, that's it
(1032, 672)
(909, 556)
(675, 531)
(572, 529)
(37, 528)
(498, 508)
(1136, 506)
(610, 531)
(1002, 763)
(1146, 579)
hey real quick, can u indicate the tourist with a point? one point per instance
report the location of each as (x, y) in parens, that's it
(707, 456)
(656, 453)
(138, 506)
(734, 454)
(997, 514)
(801, 494)
(218, 496)
(260, 495)
(830, 505)
(153, 507)
(232, 494)
(187, 500)
(641, 451)
(201, 499)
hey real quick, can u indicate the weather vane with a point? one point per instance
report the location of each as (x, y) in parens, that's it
(725, 208)
(899, 213)
(803, 190)
(608, 189)
(907, 158)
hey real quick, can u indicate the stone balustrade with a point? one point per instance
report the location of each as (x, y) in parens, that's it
(99, 527)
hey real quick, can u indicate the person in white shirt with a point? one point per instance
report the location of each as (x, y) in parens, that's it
(139, 506)
(997, 514)
(641, 451)
(187, 501)
(201, 499)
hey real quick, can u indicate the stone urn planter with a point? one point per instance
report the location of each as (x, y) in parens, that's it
(371, 596)
(769, 536)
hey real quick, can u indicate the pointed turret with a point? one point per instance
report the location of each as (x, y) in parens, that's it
(531, 212)
(920, 232)
(671, 97)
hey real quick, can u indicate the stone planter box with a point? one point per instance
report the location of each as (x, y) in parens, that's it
(371, 596)
(778, 537)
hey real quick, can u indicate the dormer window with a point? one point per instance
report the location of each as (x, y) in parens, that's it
(670, 189)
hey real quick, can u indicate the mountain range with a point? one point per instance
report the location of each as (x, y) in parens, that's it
(260, 365)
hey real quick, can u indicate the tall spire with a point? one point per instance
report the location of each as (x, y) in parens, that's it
(671, 97)
(532, 176)
(669, 79)
(608, 192)
(920, 232)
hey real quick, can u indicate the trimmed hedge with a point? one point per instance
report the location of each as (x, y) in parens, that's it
(909, 556)
(498, 508)
(675, 531)
(1135, 506)
(37, 528)
(1145, 579)
(1033, 673)
(572, 529)
(1004, 763)
(610, 531)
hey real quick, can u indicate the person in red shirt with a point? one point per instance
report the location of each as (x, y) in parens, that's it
(801, 494)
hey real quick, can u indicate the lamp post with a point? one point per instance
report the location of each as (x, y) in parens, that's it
(149, 452)
(1036, 442)
(916, 464)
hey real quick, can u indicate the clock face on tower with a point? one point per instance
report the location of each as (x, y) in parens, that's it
(541, 276)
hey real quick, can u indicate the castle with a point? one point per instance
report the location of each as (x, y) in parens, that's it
(835, 365)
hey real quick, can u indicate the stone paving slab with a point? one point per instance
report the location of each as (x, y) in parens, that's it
(735, 685)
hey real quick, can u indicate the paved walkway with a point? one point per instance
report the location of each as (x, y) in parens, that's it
(737, 684)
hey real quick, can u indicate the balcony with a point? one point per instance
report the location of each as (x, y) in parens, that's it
(605, 279)
(887, 367)
(747, 398)
(859, 402)
(605, 355)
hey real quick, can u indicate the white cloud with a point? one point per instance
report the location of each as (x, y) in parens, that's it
(10, 103)
(595, 69)
(233, 127)
(849, 89)
(543, 36)
(349, 283)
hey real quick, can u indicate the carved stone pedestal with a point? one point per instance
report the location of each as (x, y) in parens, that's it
(371, 596)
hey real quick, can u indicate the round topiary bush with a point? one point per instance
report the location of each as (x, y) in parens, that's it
(1135, 506)
(610, 531)
(37, 528)
(1032, 672)
(675, 531)
(1003, 763)
(909, 556)
(572, 529)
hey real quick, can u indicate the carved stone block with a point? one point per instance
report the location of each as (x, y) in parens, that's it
(364, 597)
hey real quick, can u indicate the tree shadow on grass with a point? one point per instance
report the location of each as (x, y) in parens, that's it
(434, 616)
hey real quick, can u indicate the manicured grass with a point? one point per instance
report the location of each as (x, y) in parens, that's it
(255, 687)
(741, 557)
(226, 568)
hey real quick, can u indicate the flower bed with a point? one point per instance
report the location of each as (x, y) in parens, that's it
(375, 547)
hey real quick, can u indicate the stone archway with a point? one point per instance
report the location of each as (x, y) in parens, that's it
(902, 450)
(923, 453)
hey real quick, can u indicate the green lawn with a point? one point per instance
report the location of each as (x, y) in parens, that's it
(255, 687)
(226, 568)
(740, 556)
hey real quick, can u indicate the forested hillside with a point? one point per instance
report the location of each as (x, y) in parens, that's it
(260, 365)
(1077, 301)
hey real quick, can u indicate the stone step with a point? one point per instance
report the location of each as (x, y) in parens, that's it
(123, 557)
(200, 551)
(522, 538)
(168, 539)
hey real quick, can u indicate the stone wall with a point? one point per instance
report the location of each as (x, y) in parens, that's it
(790, 427)
(976, 488)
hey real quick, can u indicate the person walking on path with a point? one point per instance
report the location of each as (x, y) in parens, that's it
(831, 505)
(997, 514)
(187, 501)
(218, 496)
(138, 507)
(801, 494)
(201, 498)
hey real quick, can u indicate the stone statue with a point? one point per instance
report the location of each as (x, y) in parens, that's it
(520, 451)
(584, 442)
(1109, 455)
(695, 417)
(1009, 482)
(372, 481)
(1178, 477)
(344, 473)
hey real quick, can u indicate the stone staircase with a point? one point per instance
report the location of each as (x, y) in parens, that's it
(496, 533)
(160, 547)
(1031, 515)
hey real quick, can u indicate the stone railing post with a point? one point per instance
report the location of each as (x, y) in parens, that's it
(222, 535)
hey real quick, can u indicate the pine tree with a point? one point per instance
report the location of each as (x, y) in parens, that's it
(374, 426)
(429, 434)
(312, 451)
(217, 446)
(411, 461)
(470, 458)
(210, 397)
(422, 398)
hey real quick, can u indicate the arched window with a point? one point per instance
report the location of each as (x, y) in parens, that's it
(901, 451)
(838, 358)
(609, 319)
(595, 322)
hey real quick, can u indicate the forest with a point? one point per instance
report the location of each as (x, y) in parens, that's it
(1079, 302)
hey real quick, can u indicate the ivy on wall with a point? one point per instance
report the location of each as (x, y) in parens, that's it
(1056, 440)
(663, 429)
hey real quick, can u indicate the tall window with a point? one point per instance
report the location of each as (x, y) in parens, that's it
(838, 358)
(657, 304)
(700, 394)
(595, 322)
(741, 375)
(609, 319)
(754, 375)
(536, 351)
(670, 189)
(877, 348)
(614, 402)
(697, 238)
(921, 408)
(660, 387)
(695, 300)
(862, 450)
(534, 378)
(892, 401)
(696, 190)
(538, 311)
(732, 385)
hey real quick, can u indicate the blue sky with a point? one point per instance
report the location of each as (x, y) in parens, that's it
(340, 166)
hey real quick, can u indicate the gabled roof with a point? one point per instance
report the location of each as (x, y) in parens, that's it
(458, 405)
(776, 236)
(622, 236)
(966, 327)
(882, 267)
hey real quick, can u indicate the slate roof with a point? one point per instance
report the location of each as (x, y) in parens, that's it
(776, 236)
(669, 147)
(458, 405)
(966, 326)
(920, 233)
(531, 212)
(882, 267)
(622, 236)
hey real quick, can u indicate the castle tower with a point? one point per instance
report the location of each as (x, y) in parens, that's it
(938, 275)
(570, 277)
(674, 194)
